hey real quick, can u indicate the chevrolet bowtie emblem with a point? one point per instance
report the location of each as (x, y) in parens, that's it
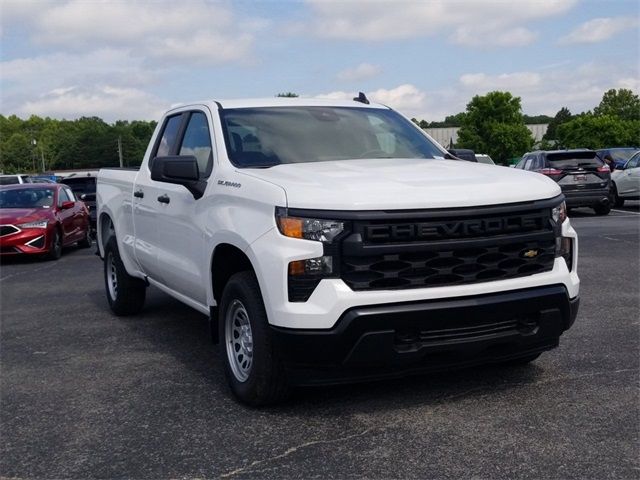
(530, 253)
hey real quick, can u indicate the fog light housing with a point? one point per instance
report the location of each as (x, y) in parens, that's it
(564, 249)
(305, 275)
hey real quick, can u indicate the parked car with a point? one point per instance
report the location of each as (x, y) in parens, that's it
(41, 219)
(14, 179)
(84, 188)
(464, 154)
(584, 178)
(626, 182)
(484, 158)
(332, 241)
(620, 155)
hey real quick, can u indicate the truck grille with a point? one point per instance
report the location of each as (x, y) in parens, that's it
(452, 248)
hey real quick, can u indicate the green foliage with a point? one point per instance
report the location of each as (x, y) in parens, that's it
(590, 131)
(551, 135)
(87, 142)
(288, 95)
(494, 124)
(536, 119)
(623, 104)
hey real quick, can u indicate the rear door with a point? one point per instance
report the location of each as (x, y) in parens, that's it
(145, 199)
(628, 181)
(577, 171)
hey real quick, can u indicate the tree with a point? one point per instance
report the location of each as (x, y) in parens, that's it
(622, 103)
(590, 131)
(288, 95)
(494, 124)
(563, 116)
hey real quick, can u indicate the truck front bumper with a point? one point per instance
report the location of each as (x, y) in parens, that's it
(382, 341)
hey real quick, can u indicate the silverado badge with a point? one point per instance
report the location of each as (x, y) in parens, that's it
(530, 253)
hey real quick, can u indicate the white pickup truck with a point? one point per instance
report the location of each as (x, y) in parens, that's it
(332, 242)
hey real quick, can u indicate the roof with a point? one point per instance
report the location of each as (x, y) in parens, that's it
(281, 102)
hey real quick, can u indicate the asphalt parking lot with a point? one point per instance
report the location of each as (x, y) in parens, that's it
(85, 394)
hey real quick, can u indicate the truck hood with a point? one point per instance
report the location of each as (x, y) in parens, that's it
(395, 184)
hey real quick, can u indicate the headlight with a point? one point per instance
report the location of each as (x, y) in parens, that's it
(559, 213)
(317, 229)
(38, 224)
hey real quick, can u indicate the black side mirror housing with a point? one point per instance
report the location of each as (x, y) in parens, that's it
(179, 170)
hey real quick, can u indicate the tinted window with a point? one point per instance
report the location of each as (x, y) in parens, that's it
(168, 137)
(562, 160)
(9, 180)
(197, 142)
(70, 194)
(271, 136)
(62, 196)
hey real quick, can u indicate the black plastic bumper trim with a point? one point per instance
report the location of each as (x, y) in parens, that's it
(389, 340)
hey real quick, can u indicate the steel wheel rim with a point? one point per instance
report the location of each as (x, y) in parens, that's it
(239, 340)
(112, 277)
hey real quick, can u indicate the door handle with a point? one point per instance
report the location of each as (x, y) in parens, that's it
(164, 198)
(138, 194)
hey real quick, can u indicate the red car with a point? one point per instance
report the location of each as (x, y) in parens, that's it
(40, 219)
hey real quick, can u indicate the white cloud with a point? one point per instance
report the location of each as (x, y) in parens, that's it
(364, 71)
(478, 23)
(504, 81)
(161, 30)
(406, 98)
(599, 30)
(108, 102)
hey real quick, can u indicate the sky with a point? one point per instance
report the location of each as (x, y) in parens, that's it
(426, 58)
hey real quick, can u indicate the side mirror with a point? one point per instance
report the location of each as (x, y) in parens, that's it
(67, 205)
(179, 170)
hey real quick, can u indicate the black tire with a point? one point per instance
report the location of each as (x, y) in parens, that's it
(523, 360)
(265, 381)
(615, 199)
(55, 251)
(602, 209)
(86, 240)
(126, 294)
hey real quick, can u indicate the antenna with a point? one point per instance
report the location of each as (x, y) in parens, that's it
(362, 98)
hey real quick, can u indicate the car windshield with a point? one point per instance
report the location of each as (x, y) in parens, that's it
(563, 160)
(264, 137)
(26, 198)
(622, 154)
(81, 185)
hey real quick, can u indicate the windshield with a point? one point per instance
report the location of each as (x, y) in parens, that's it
(622, 154)
(564, 160)
(264, 137)
(26, 198)
(81, 185)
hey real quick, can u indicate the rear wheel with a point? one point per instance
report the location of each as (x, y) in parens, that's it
(126, 294)
(86, 240)
(602, 209)
(252, 366)
(55, 251)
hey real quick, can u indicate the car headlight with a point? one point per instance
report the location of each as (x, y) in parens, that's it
(38, 224)
(317, 229)
(559, 213)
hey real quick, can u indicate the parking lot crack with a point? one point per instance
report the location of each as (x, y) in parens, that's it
(292, 450)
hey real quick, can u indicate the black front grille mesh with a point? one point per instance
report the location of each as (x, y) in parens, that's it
(449, 266)
(7, 230)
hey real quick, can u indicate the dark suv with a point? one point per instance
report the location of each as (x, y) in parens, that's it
(84, 187)
(584, 178)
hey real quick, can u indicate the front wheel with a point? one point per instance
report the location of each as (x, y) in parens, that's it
(126, 294)
(55, 251)
(251, 364)
(615, 199)
(86, 240)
